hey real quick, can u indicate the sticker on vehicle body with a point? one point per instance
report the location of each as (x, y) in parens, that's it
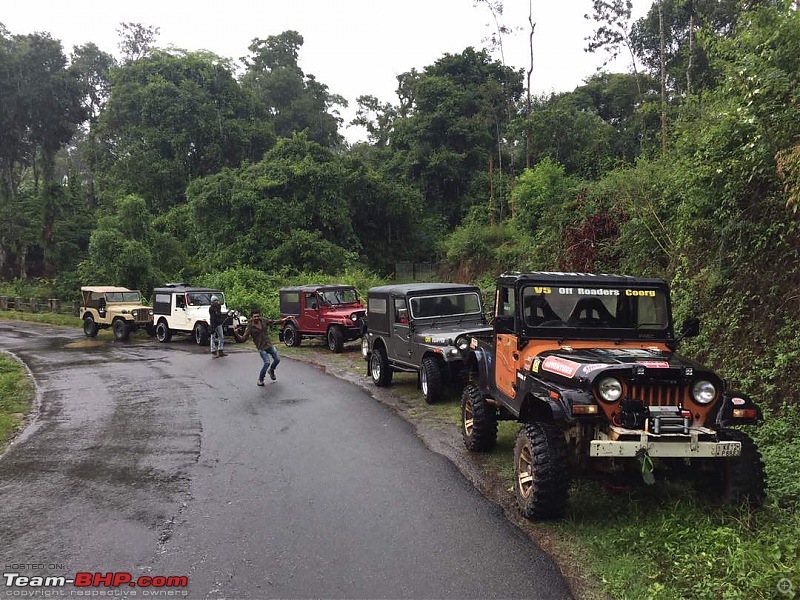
(654, 364)
(560, 366)
(592, 368)
(535, 365)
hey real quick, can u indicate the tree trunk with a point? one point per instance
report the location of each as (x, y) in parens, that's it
(690, 62)
(528, 103)
(663, 79)
(491, 190)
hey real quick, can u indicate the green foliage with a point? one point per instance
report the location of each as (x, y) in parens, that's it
(540, 189)
(173, 117)
(778, 438)
(126, 250)
(43, 317)
(303, 207)
(295, 101)
(478, 248)
(652, 544)
(565, 131)
(461, 105)
(16, 394)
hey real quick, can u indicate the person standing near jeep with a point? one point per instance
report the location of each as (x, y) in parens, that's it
(215, 321)
(258, 329)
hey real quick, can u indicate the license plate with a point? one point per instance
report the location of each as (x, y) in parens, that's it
(728, 449)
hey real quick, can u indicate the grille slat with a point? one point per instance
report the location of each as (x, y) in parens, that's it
(656, 394)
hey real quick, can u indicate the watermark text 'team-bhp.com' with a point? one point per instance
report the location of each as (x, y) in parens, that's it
(116, 583)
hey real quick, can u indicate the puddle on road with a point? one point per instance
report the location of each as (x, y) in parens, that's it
(86, 344)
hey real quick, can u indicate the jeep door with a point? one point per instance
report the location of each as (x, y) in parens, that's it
(506, 353)
(400, 345)
(310, 320)
(179, 319)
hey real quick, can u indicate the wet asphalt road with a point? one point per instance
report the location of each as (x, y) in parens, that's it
(157, 460)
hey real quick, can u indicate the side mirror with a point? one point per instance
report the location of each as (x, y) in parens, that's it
(504, 324)
(690, 327)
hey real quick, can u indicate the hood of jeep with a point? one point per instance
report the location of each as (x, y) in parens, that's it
(446, 333)
(119, 306)
(589, 363)
(343, 312)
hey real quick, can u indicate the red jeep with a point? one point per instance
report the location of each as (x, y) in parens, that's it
(334, 312)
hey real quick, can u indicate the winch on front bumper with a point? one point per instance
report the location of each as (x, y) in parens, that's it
(697, 442)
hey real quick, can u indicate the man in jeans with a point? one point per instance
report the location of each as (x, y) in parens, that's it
(216, 320)
(258, 328)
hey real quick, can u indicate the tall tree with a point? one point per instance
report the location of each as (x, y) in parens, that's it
(173, 117)
(376, 117)
(294, 101)
(459, 104)
(40, 103)
(92, 67)
(613, 33)
(136, 40)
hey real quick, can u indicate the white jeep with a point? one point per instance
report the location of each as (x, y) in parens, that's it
(183, 309)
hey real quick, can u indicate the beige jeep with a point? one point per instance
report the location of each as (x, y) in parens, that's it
(116, 307)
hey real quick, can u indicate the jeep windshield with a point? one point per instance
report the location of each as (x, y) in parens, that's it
(126, 297)
(203, 298)
(446, 305)
(343, 296)
(597, 311)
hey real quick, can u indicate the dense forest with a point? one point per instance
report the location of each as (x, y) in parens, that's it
(170, 165)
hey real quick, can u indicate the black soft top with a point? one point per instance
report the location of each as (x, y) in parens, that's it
(418, 289)
(514, 277)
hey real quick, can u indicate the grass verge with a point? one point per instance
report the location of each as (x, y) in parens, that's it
(16, 394)
(51, 318)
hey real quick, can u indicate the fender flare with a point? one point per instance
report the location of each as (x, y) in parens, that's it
(478, 367)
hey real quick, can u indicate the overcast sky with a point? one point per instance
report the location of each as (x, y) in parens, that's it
(354, 47)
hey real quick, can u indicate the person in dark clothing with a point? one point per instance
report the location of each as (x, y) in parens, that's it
(258, 329)
(216, 319)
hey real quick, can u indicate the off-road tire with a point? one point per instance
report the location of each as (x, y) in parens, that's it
(736, 480)
(120, 329)
(89, 327)
(478, 420)
(335, 339)
(201, 334)
(150, 329)
(431, 380)
(541, 471)
(379, 368)
(291, 336)
(163, 334)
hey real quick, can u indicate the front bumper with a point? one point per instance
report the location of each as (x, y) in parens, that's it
(663, 446)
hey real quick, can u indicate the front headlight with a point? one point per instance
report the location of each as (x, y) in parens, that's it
(703, 392)
(610, 389)
(462, 343)
(151, 312)
(354, 317)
